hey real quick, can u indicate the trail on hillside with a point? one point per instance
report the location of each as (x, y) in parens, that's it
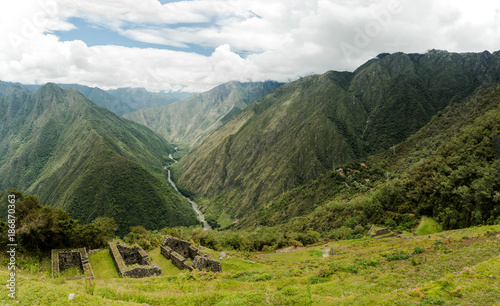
(200, 215)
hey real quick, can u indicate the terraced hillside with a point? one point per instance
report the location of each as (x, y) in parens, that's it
(460, 267)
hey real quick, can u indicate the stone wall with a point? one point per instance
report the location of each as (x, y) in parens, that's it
(207, 264)
(68, 258)
(379, 232)
(133, 261)
(177, 250)
(182, 247)
(177, 259)
(133, 255)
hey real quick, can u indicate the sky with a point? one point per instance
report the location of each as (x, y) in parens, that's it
(193, 46)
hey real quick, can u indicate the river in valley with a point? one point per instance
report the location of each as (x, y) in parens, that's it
(200, 215)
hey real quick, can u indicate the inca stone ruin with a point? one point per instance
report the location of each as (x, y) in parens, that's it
(178, 251)
(133, 261)
(65, 259)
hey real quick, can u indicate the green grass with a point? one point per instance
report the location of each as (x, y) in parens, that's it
(167, 267)
(460, 267)
(103, 265)
(428, 226)
(72, 272)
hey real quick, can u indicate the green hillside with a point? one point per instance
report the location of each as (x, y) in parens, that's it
(4, 86)
(138, 98)
(306, 128)
(75, 155)
(449, 170)
(120, 101)
(189, 121)
(459, 267)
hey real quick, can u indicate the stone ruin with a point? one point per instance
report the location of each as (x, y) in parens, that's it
(178, 251)
(68, 258)
(375, 233)
(133, 261)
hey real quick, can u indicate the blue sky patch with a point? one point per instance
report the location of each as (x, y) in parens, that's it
(96, 35)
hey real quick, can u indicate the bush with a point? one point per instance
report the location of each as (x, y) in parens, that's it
(204, 238)
(397, 256)
(418, 250)
(308, 238)
(342, 233)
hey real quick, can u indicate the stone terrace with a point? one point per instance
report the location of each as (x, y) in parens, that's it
(68, 258)
(133, 261)
(178, 250)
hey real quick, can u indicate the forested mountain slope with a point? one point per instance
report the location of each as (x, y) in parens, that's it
(190, 120)
(306, 127)
(78, 156)
(449, 170)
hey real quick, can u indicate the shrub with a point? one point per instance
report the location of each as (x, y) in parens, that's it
(204, 238)
(397, 256)
(418, 250)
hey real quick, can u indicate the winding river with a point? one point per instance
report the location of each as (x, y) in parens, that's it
(200, 215)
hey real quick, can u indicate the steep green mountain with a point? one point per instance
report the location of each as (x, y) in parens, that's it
(137, 98)
(305, 128)
(449, 170)
(102, 98)
(190, 120)
(121, 101)
(96, 95)
(76, 155)
(4, 86)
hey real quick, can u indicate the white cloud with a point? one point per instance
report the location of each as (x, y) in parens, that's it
(280, 39)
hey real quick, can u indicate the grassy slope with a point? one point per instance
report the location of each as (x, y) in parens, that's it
(297, 133)
(78, 156)
(192, 119)
(428, 226)
(454, 267)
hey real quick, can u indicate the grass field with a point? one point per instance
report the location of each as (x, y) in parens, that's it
(428, 226)
(460, 267)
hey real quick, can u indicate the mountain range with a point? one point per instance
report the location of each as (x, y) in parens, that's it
(448, 170)
(121, 101)
(307, 127)
(78, 156)
(402, 136)
(188, 121)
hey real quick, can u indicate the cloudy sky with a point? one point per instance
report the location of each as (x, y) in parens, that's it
(196, 45)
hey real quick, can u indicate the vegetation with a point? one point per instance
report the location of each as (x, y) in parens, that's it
(307, 128)
(139, 98)
(457, 267)
(454, 182)
(39, 228)
(75, 155)
(428, 226)
(290, 185)
(189, 121)
(120, 101)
